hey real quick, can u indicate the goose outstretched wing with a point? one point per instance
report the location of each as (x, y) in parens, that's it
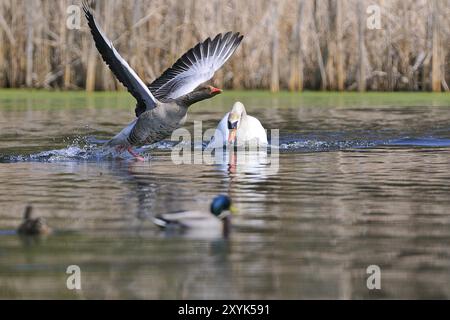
(123, 72)
(196, 66)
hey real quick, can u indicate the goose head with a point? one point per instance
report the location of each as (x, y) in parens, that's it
(207, 91)
(200, 93)
(235, 118)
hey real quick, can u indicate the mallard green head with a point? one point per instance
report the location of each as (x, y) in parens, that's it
(219, 205)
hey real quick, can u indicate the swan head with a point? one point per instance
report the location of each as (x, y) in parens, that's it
(234, 120)
(221, 206)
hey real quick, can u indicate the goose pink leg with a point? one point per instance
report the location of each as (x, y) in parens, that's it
(135, 155)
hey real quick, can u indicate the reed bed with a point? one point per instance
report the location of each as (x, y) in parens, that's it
(288, 44)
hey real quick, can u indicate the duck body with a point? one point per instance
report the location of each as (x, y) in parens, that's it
(188, 220)
(197, 223)
(33, 226)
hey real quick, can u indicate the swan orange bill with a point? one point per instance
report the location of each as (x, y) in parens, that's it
(232, 136)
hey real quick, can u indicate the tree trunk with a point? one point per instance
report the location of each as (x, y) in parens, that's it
(29, 48)
(361, 47)
(331, 45)
(90, 70)
(323, 75)
(339, 47)
(275, 77)
(436, 58)
(296, 61)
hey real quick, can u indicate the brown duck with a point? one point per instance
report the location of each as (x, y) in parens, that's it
(162, 107)
(33, 226)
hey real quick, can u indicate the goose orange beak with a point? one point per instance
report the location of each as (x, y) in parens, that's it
(215, 90)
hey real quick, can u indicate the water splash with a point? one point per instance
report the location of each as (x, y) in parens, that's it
(334, 143)
(87, 149)
(91, 149)
(323, 145)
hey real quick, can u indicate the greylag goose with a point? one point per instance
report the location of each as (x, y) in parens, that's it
(33, 226)
(162, 106)
(238, 127)
(217, 220)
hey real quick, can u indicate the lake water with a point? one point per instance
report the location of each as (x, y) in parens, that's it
(363, 180)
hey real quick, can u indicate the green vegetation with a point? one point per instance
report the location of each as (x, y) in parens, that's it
(21, 98)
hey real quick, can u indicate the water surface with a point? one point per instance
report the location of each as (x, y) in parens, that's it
(363, 180)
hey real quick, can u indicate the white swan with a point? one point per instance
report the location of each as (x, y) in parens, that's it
(239, 128)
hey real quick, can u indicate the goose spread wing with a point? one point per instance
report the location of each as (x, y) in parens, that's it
(196, 66)
(123, 72)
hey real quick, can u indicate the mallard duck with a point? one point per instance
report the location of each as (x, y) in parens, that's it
(162, 106)
(239, 128)
(218, 219)
(33, 226)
